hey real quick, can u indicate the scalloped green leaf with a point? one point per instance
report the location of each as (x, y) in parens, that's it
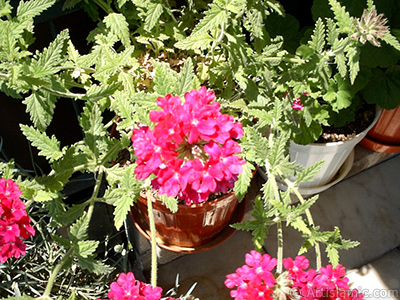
(48, 147)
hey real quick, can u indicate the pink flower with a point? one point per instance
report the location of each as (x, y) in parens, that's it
(14, 221)
(254, 280)
(326, 283)
(192, 150)
(128, 288)
(297, 104)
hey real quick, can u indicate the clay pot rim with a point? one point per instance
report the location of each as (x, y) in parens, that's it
(205, 203)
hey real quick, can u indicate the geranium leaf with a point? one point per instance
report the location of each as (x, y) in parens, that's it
(384, 88)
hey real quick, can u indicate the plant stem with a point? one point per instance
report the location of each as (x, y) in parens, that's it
(280, 248)
(310, 221)
(272, 179)
(70, 252)
(54, 273)
(106, 7)
(153, 278)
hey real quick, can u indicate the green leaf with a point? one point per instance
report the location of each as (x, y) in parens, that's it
(5, 8)
(94, 266)
(79, 230)
(72, 214)
(165, 79)
(309, 133)
(97, 92)
(309, 173)
(62, 170)
(91, 120)
(391, 40)
(317, 41)
(353, 55)
(186, 78)
(170, 202)
(122, 202)
(333, 255)
(300, 225)
(43, 196)
(48, 147)
(154, 11)
(123, 197)
(259, 226)
(119, 26)
(7, 169)
(86, 249)
(40, 108)
(255, 146)
(384, 88)
(122, 105)
(214, 17)
(343, 18)
(200, 41)
(33, 8)
(48, 61)
(244, 179)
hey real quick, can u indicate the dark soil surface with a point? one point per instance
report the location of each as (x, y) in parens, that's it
(363, 119)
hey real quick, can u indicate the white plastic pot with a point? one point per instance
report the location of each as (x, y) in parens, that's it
(334, 154)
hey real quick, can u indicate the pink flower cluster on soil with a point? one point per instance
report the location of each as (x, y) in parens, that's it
(255, 281)
(192, 148)
(128, 288)
(14, 221)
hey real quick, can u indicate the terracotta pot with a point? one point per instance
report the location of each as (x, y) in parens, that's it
(385, 135)
(191, 226)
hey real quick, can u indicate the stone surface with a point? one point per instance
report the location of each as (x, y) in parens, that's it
(208, 269)
(379, 279)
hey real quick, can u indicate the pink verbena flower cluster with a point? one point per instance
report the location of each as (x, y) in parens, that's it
(255, 281)
(128, 288)
(327, 283)
(14, 221)
(192, 148)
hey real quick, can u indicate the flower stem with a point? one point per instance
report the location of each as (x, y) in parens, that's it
(272, 179)
(71, 252)
(280, 248)
(54, 273)
(310, 221)
(153, 278)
